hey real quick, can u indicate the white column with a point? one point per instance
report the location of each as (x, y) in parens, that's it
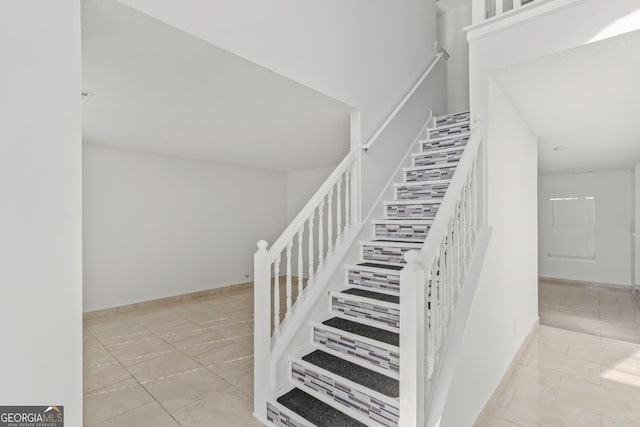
(261, 328)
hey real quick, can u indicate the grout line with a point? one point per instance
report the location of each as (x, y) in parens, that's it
(143, 387)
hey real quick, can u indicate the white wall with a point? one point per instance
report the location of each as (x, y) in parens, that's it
(301, 186)
(452, 37)
(158, 226)
(366, 53)
(506, 303)
(613, 225)
(40, 206)
(541, 36)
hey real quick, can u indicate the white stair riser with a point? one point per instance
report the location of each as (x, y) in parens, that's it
(344, 396)
(375, 280)
(281, 419)
(446, 143)
(415, 232)
(428, 159)
(452, 131)
(429, 174)
(384, 253)
(356, 309)
(454, 118)
(367, 353)
(425, 191)
(424, 211)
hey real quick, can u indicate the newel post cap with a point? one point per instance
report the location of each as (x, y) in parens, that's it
(262, 245)
(412, 257)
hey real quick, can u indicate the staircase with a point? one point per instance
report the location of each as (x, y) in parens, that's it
(350, 373)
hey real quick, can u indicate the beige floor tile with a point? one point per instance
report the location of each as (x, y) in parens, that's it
(231, 349)
(198, 344)
(102, 376)
(141, 351)
(238, 373)
(531, 409)
(603, 400)
(150, 414)
(107, 404)
(176, 392)
(225, 407)
(496, 422)
(610, 422)
(96, 356)
(162, 366)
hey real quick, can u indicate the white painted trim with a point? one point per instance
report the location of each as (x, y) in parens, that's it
(438, 151)
(404, 100)
(431, 246)
(444, 116)
(352, 385)
(372, 269)
(446, 137)
(366, 322)
(392, 264)
(421, 183)
(358, 298)
(399, 239)
(392, 244)
(449, 126)
(300, 219)
(356, 337)
(408, 221)
(517, 16)
(297, 418)
(452, 345)
(372, 289)
(412, 202)
(430, 167)
(355, 360)
(331, 402)
(289, 329)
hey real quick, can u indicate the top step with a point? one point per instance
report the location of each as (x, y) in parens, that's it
(449, 119)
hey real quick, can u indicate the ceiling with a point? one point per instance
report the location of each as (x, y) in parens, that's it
(157, 89)
(587, 100)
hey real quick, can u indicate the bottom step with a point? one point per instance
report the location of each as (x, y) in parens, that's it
(316, 412)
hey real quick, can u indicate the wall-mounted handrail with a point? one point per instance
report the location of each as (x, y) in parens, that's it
(404, 100)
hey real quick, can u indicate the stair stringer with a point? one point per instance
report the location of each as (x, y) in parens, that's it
(333, 276)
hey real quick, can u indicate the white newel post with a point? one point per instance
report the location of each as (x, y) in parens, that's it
(412, 377)
(262, 329)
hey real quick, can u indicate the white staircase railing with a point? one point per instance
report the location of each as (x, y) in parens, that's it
(495, 8)
(289, 270)
(432, 283)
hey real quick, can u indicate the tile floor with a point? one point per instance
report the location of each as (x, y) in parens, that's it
(190, 364)
(185, 364)
(608, 312)
(582, 366)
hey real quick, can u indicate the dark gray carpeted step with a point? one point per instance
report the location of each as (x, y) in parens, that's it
(356, 373)
(315, 411)
(377, 334)
(373, 295)
(386, 267)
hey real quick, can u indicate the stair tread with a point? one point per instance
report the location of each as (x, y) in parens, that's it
(366, 331)
(355, 373)
(385, 266)
(373, 295)
(316, 411)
